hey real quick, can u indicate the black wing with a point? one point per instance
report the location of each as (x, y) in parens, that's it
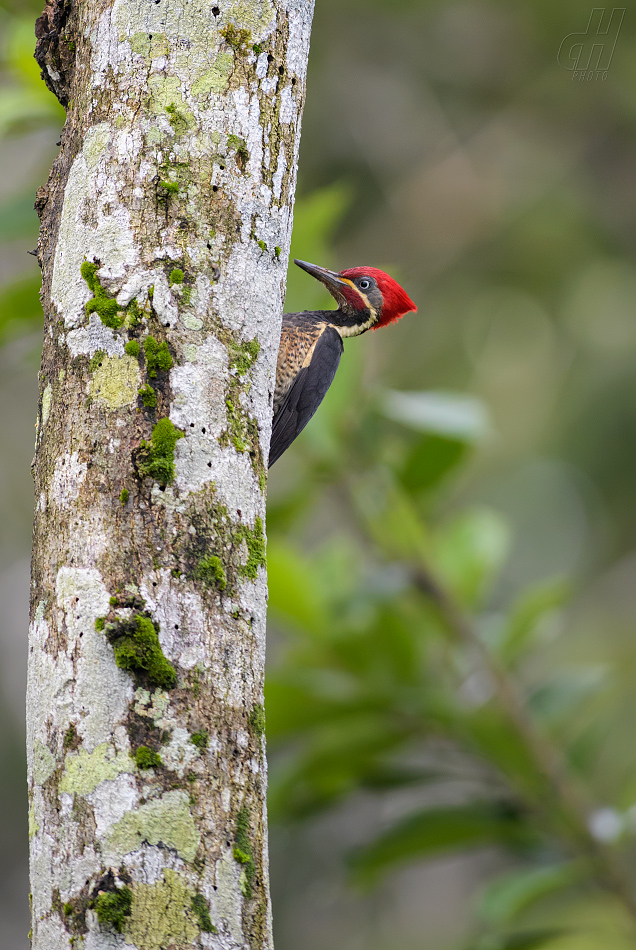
(306, 393)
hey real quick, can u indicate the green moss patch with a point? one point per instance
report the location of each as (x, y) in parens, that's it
(176, 119)
(202, 909)
(146, 758)
(104, 305)
(242, 431)
(200, 739)
(107, 308)
(257, 719)
(96, 360)
(171, 187)
(156, 458)
(69, 737)
(176, 276)
(215, 531)
(113, 908)
(256, 551)
(243, 850)
(137, 650)
(148, 396)
(133, 348)
(239, 40)
(124, 496)
(243, 356)
(158, 356)
(237, 432)
(211, 571)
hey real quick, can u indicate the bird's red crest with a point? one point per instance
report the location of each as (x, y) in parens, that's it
(395, 300)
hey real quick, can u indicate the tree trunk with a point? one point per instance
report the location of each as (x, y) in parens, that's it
(165, 234)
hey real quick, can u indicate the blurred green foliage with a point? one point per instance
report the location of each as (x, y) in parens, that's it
(25, 105)
(378, 688)
(450, 569)
(24, 99)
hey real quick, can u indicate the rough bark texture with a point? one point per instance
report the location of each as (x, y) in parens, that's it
(165, 233)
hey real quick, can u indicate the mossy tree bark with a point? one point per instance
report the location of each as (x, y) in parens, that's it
(165, 234)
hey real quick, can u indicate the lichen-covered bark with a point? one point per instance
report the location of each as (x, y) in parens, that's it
(165, 234)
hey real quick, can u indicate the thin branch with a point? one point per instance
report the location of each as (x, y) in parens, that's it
(547, 758)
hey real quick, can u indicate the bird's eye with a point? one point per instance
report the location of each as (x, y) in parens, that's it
(365, 283)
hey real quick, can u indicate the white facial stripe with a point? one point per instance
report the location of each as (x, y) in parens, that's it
(360, 327)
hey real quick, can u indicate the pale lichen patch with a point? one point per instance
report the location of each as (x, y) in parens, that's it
(255, 15)
(149, 45)
(162, 914)
(165, 91)
(33, 824)
(228, 896)
(166, 821)
(215, 78)
(155, 705)
(81, 586)
(103, 699)
(84, 771)
(44, 763)
(191, 322)
(116, 382)
(46, 403)
(180, 754)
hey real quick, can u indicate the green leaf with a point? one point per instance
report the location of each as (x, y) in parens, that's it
(25, 100)
(391, 518)
(436, 831)
(468, 552)
(431, 460)
(490, 732)
(509, 895)
(453, 415)
(564, 693)
(530, 616)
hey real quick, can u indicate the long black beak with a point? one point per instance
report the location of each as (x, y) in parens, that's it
(332, 281)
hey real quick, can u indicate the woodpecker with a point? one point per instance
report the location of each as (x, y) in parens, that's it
(311, 342)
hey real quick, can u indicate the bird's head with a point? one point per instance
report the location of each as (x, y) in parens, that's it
(367, 298)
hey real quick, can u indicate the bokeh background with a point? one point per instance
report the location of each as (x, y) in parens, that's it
(461, 513)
